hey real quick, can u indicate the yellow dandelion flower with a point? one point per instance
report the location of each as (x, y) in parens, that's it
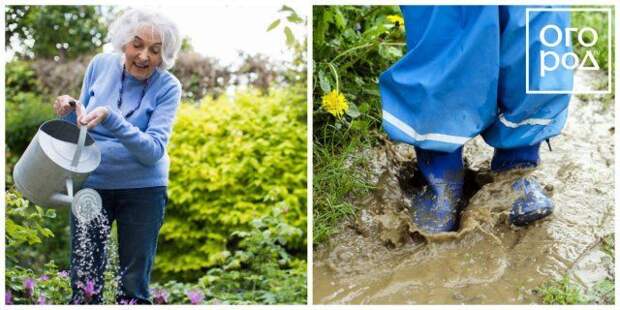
(396, 20)
(335, 103)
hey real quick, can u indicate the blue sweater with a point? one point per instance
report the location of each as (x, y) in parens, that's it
(133, 149)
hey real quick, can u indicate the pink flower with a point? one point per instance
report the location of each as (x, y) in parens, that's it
(63, 274)
(160, 297)
(8, 298)
(195, 296)
(128, 302)
(29, 286)
(44, 277)
(88, 289)
(42, 300)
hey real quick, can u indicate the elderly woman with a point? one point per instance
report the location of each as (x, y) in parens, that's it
(128, 102)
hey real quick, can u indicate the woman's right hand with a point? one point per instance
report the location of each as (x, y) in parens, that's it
(63, 106)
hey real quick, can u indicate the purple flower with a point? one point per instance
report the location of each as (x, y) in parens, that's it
(63, 274)
(8, 298)
(29, 286)
(88, 289)
(195, 296)
(42, 300)
(160, 296)
(128, 302)
(44, 277)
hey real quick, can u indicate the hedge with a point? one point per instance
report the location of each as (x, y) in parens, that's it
(232, 161)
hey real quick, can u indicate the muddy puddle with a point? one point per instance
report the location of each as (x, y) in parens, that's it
(378, 258)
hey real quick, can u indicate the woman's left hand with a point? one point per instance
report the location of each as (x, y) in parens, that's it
(94, 117)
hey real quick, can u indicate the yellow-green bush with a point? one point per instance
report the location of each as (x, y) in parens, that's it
(232, 161)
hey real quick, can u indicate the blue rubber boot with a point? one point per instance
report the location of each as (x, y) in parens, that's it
(533, 204)
(435, 210)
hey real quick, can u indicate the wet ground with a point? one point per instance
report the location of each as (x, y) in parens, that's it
(380, 258)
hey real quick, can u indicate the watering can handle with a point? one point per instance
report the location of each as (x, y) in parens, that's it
(80, 146)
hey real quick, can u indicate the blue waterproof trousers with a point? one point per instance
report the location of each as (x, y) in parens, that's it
(464, 75)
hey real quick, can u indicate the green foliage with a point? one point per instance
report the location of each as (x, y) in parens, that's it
(609, 245)
(565, 292)
(336, 177)
(20, 77)
(175, 291)
(260, 270)
(231, 162)
(604, 292)
(25, 108)
(296, 72)
(561, 292)
(599, 21)
(352, 46)
(43, 30)
(25, 112)
(41, 235)
(50, 287)
(186, 45)
(25, 226)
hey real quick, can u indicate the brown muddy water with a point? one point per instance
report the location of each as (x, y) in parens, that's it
(378, 258)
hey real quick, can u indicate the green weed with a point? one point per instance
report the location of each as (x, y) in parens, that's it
(561, 292)
(337, 178)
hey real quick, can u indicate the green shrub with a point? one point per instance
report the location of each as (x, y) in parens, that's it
(48, 231)
(232, 161)
(25, 112)
(27, 229)
(260, 271)
(20, 77)
(25, 226)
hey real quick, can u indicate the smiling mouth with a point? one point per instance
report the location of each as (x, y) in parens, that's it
(144, 66)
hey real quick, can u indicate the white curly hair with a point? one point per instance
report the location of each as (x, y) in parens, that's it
(124, 29)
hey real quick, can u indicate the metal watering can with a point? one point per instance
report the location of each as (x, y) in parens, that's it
(58, 160)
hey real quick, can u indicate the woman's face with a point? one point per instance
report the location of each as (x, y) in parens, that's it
(143, 53)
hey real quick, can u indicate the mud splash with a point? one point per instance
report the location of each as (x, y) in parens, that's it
(380, 257)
